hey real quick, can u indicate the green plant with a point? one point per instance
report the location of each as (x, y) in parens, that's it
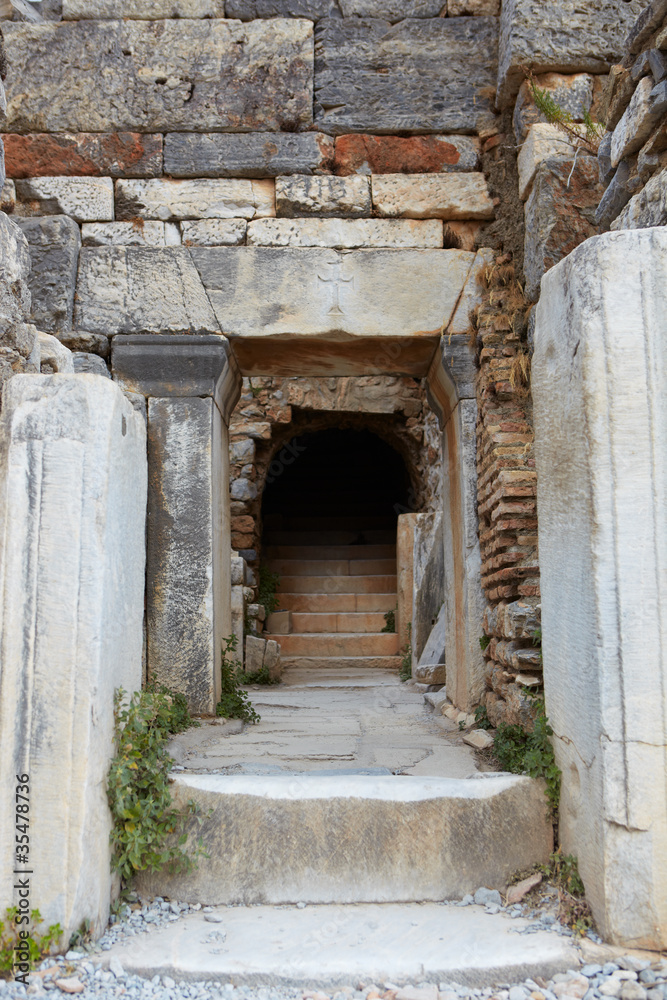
(545, 103)
(82, 936)
(481, 718)
(266, 591)
(530, 752)
(234, 702)
(389, 621)
(147, 834)
(574, 911)
(405, 669)
(484, 641)
(21, 950)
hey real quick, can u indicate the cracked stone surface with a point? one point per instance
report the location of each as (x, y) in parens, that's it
(342, 722)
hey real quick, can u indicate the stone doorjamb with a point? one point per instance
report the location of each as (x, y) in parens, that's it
(451, 393)
(191, 385)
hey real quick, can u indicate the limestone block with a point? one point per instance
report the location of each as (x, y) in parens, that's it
(425, 84)
(257, 154)
(434, 650)
(648, 208)
(272, 660)
(617, 95)
(188, 608)
(84, 199)
(248, 10)
(649, 20)
(254, 654)
(324, 196)
(432, 196)
(616, 196)
(89, 364)
(148, 10)
(214, 233)
(72, 516)
(54, 356)
(194, 199)
(311, 292)
(543, 143)
(574, 94)
(478, 739)
(430, 673)
(392, 10)
(428, 578)
(564, 37)
(279, 623)
(644, 112)
(475, 8)
(345, 233)
(184, 74)
(559, 216)
(54, 252)
(599, 397)
(396, 840)
(115, 154)
(141, 290)
(8, 197)
(393, 154)
(122, 234)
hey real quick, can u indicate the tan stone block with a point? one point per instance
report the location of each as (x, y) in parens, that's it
(124, 234)
(544, 142)
(346, 234)
(214, 232)
(432, 196)
(144, 10)
(479, 739)
(279, 623)
(208, 198)
(323, 195)
(85, 199)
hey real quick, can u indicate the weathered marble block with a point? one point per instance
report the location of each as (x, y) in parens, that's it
(255, 154)
(72, 517)
(427, 83)
(648, 208)
(600, 392)
(563, 37)
(544, 142)
(194, 199)
(248, 10)
(391, 10)
(54, 243)
(345, 234)
(149, 10)
(84, 199)
(141, 290)
(324, 196)
(181, 74)
(432, 196)
(214, 233)
(646, 109)
(122, 234)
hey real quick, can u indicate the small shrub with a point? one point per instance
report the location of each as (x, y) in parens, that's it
(234, 702)
(405, 669)
(389, 621)
(266, 591)
(148, 834)
(21, 950)
(481, 718)
(556, 115)
(574, 911)
(523, 752)
(484, 641)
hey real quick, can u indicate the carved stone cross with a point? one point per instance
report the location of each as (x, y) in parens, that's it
(336, 280)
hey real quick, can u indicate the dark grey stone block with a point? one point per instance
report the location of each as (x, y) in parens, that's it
(615, 197)
(254, 154)
(89, 364)
(604, 159)
(657, 61)
(392, 10)
(55, 241)
(647, 22)
(427, 75)
(248, 10)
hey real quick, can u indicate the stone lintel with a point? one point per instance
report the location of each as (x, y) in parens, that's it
(171, 366)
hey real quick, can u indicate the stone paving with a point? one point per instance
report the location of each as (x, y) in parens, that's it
(362, 721)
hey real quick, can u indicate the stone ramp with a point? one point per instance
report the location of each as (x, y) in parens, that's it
(355, 838)
(324, 946)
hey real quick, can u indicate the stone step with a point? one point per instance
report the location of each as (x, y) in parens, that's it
(332, 567)
(338, 622)
(330, 552)
(355, 838)
(328, 603)
(332, 946)
(331, 664)
(337, 644)
(337, 585)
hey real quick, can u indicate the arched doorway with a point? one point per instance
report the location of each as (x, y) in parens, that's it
(329, 511)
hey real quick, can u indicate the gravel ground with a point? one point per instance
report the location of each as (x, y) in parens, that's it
(78, 972)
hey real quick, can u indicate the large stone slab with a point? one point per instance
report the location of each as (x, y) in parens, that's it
(116, 154)
(323, 196)
(182, 74)
(141, 290)
(395, 838)
(54, 253)
(563, 37)
(84, 199)
(432, 196)
(194, 199)
(345, 234)
(393, 154)
(149, 10)
(257, 154)
(72, 522)
(427, 82)
(599, 392)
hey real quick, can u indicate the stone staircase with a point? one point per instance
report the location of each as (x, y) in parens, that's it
(338, 584)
